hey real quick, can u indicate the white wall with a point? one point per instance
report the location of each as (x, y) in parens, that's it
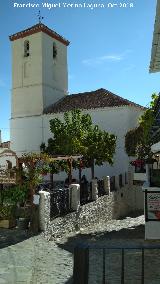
(37, 80)
(55, 73)
(28, 133)
(27, 77)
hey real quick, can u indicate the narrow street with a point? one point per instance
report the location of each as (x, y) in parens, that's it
(25, 259)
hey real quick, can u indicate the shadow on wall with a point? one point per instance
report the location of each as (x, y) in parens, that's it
(126, 234)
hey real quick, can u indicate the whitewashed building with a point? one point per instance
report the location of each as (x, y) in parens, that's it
(40, 93)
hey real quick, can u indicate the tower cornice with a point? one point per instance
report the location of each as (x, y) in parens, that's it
(36, 29)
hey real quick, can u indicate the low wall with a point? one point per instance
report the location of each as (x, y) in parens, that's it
(116, 205)
(131, 197)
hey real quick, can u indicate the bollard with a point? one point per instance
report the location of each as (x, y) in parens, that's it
(44, 210)
(74, 196)
(94, 189)
(106, 180)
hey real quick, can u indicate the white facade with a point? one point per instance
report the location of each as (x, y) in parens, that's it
(28, 133)
(39, 80)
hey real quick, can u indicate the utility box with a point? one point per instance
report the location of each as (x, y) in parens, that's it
(152, 212)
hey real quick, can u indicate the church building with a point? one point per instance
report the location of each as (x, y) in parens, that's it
(40, 93)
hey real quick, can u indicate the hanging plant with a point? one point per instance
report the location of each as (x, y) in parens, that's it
(138, 163)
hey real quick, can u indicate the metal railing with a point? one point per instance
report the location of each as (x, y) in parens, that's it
(141, 270)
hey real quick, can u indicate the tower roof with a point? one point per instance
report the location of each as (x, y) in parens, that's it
(36, 29)
(89, 100)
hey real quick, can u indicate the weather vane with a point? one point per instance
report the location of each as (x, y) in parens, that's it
(40, 18)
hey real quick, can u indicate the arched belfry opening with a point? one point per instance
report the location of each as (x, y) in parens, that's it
(26, 48)
(54, 51)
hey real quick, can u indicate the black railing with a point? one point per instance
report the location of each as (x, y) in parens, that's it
(112, 184)
(59, 202)
(101, 190)
(85, 192)
(120, 181)
(117, 265)
(126, 178)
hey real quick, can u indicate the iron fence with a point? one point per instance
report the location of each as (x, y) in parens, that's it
(85, 192)
(112, 184)
(126, 178)
(120, 265)
(101, 190)
(59, 202)
(120, 181)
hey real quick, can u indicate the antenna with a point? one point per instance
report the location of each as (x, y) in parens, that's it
(40, 18)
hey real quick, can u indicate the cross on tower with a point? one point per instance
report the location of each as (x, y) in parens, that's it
(40, 18)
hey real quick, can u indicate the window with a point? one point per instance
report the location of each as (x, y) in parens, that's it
(54, 51)
(26, 48)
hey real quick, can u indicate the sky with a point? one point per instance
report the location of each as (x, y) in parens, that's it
(110, 47)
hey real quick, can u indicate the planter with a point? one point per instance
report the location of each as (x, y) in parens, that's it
(7, 223)
(139, 176)
(23, 223)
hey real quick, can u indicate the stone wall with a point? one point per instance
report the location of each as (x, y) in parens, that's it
(97, 211)
(116, 205)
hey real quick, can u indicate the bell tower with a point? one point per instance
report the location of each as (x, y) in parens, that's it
(39, 70)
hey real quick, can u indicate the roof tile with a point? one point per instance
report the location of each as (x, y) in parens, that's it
(89, 100)
(39, 28)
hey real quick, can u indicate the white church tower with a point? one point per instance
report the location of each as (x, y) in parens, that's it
(39, 79)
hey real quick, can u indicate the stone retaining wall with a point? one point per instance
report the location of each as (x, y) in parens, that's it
(113, 206)
(116, 205)
(97, 211)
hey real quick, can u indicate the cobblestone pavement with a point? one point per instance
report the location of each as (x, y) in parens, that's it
(35, 260)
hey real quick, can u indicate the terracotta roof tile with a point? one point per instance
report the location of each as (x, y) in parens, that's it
(38, 28)
(89, 100)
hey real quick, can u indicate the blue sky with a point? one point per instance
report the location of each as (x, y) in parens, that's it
(110, 47)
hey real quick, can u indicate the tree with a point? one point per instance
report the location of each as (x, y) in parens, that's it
(138, 141)
(100, 147)
(76, 135)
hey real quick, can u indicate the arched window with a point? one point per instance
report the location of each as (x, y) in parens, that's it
(9, 164)
(26, 48)
(54, 51)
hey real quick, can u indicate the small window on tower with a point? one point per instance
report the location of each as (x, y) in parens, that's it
(26, 48)
(54, 51)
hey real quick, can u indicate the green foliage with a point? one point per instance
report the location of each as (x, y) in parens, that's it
(15, 194)
(138, 141)
(76, 135)
(69, 135)
(100, 147)
(147, 119)
(133, 138)
(7, 212)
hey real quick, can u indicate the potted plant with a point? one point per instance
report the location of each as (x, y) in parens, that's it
(13, 203)
(23, 217)
(7, 216)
